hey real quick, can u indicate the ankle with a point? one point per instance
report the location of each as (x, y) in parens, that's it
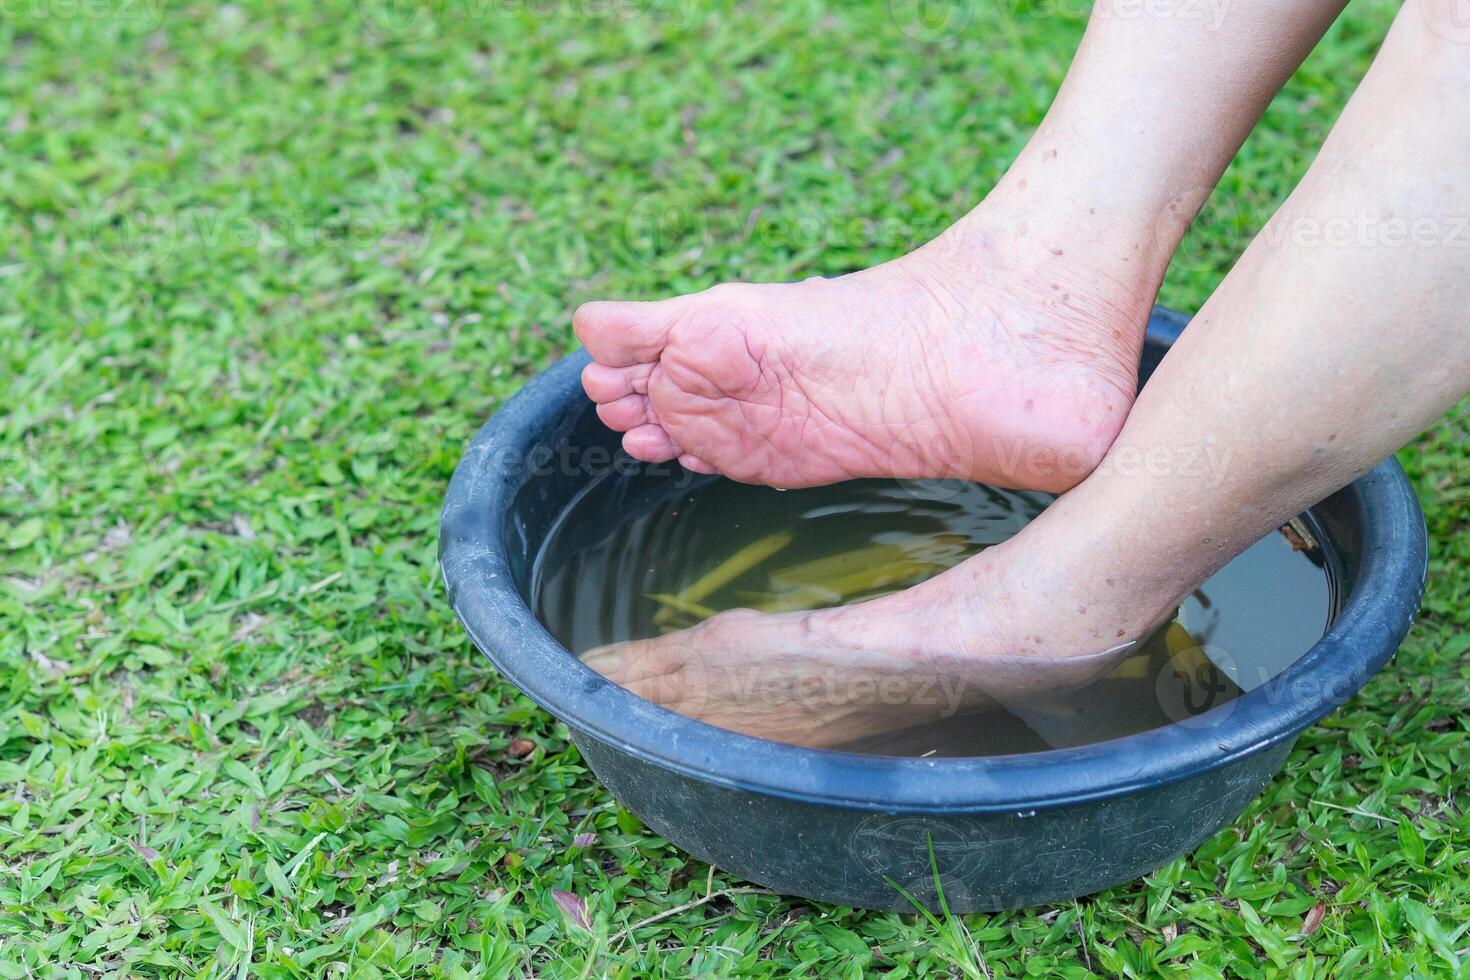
(1120, 247)
(1108, 268)
(1062, 293)
(1050, 591)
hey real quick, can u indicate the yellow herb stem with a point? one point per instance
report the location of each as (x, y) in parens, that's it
(728, 571)
(823, 570)
(1132, 669)
(868, 579)
(680, 604)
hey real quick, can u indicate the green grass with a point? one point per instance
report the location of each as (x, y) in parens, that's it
(265, 267)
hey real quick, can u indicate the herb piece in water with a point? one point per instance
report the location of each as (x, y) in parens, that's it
(728, 571)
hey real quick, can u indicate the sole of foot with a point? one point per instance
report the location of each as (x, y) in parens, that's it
(963, 359)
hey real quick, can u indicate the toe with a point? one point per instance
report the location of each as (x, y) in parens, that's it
(650, 443)
(607, 661)
(644, 667)
(621, 334)
(695, 465)
(624, 413)
(604, 384)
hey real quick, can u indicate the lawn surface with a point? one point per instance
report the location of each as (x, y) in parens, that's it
(264, 269)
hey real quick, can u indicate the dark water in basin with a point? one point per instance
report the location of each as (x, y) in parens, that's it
(632, 558)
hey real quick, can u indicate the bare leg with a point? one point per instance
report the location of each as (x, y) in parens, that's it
(1019, 327)
(1342, 332)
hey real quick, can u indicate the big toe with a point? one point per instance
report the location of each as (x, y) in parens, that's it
(622, 334)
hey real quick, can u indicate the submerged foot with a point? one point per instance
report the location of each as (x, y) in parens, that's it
(988, 632)
(980, 356)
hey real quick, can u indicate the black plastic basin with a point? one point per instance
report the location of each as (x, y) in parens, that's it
(1006, 831)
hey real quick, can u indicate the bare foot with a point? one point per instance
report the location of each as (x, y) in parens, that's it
(987, 632)
(996, 356)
